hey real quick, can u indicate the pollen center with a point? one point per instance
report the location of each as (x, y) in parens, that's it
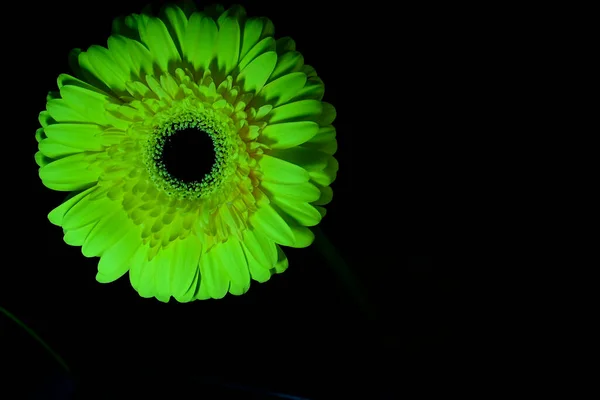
(191, 151)
(189, 155)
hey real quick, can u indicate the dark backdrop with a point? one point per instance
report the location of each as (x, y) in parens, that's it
(315, 331)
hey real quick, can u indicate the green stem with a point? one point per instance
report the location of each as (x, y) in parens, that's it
(36, 337)
(348, 278)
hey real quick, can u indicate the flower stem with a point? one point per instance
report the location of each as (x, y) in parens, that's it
(36, 337)
(348, 278)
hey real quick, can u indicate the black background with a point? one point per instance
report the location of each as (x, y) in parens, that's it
(305, 332)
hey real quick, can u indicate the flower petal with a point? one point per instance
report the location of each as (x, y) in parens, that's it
(282, 262)
(138, 58)
(291, 61)
(302, 213)
(303, 110)
(308, 159)
(255, 30)
(109, 229)
(107, 69)
(269, 222)
(260, 247)
(212, 274)
(300, 192)
(88, 103)
(323, 141)
(176, 22)
(281, 90)
(87, 210)
(57, 215)
(80, 136)
(227, 46)
(200, 39)
(186, 256)
(277, 170)
(77, 237)
(328, 115)
(155, 36)
(288, 134)
(69, 173)
(257, 271)
(265, 45)
(116, 261)
(254, 76)
(325, 197)
(233, 261)
(54, 149)
(327, 175)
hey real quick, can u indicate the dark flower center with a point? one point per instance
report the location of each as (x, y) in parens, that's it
(189, 154)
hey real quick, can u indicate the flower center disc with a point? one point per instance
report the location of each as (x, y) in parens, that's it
(189, 155)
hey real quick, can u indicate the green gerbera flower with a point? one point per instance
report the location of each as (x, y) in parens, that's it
(193, 145)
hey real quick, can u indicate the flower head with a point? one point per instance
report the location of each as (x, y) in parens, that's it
(194, 145)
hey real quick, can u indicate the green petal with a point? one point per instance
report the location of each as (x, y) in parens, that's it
(147, 279)
(323, 141)
(261, 248)
(287, 63)
(109, 229)
(164, 273)
(40, 134)
(254, 76)
(176, 22)
(202, 289)
(265, 45)
(77, 237)
(302, 213)
(313, 89)
(155, 36)
(62, 112)
(281, 90)
(257, 271)
(328, 115)
(186, 255)
(288, 134)
(303, 236)
(41, 160)
(137, 56)
(255, 30)
(325, 197)
(303, 110)
(115, 262)
(80, 136)
(282, 262)
(215, 278)
(192, 290)
(88, 72)
(127, 26)
(308, 159)
(88, 103)
(54, 149)
(69, 173)
(57, 215)
(234, 262)
(227, 48)
(200, 39)
(326, 176)
(277, 170)
(45, 119)
(285, 45)
(137, 264)
(269, 222)
(107, 69)
(87, 210)
(301, 191)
